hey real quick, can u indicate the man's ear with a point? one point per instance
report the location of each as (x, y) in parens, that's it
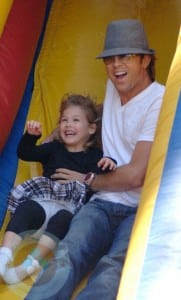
(146, 60)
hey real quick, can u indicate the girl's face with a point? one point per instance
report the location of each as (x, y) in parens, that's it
(75, 129)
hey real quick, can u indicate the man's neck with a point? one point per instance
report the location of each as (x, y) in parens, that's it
(126, 97)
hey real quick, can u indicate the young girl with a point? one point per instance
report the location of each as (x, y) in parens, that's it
(45, 206)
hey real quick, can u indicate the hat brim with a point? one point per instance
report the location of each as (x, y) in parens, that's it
(120, 51)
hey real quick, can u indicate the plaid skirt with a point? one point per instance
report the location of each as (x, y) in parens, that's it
(70, 196)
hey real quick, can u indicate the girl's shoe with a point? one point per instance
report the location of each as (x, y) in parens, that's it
(5, 258)
(17, 274)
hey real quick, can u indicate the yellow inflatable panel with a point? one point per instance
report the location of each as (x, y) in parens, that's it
(5, 6)
(74, 37)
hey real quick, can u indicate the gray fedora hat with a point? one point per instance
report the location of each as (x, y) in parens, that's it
(125, 37)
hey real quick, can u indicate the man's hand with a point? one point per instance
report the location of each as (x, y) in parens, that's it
(65, 176)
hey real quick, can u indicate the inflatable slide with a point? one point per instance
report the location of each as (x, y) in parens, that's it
(48, 48)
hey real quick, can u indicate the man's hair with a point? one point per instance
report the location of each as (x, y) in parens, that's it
(151, 67)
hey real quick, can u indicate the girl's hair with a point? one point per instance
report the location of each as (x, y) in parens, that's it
(91, 110)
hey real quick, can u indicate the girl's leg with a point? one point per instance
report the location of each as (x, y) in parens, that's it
(29, 216)
(88, 238)
(56, 229)
(21, 222)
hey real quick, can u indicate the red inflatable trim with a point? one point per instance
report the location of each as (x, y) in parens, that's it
(17, 48)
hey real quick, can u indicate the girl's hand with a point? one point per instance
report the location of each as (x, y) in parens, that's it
(107, 163)
(34, 127)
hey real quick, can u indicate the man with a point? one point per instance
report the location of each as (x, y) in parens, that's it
(99, 234)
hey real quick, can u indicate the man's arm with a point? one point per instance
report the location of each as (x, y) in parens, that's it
(129, 176)
(126, 177)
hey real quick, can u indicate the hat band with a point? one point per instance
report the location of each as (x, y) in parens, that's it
(119, 51)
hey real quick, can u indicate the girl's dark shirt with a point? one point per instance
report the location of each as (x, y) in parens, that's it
(54, 155)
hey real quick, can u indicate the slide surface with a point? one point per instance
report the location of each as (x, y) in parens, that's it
(66, 63)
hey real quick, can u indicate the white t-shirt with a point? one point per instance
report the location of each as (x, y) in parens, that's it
(123, 126)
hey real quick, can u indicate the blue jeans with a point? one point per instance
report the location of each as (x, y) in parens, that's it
(97, 239)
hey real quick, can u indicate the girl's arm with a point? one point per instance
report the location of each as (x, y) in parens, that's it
(27, 149)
